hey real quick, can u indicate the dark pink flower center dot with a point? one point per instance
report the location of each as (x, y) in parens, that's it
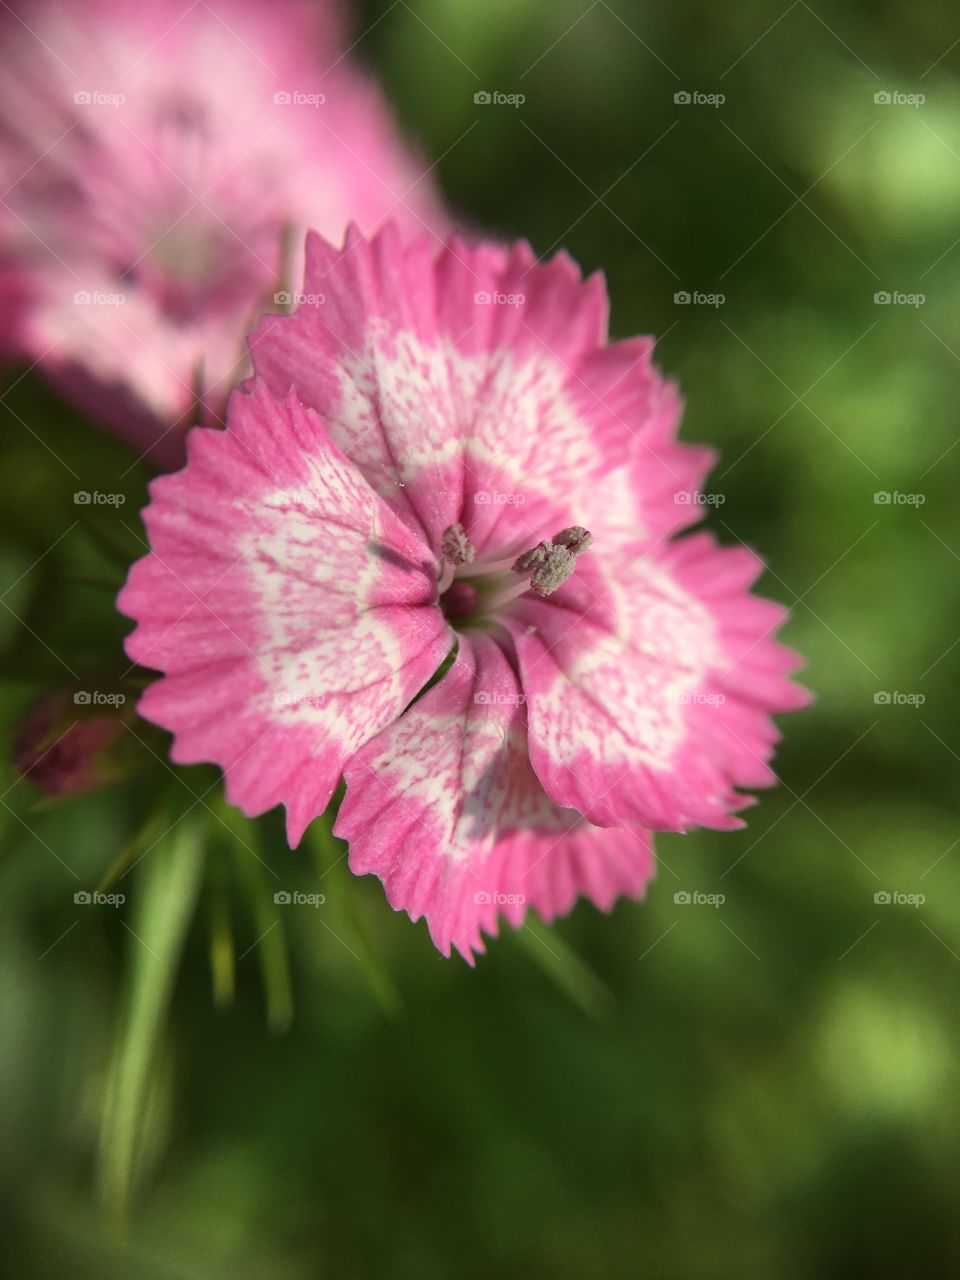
(459, 601)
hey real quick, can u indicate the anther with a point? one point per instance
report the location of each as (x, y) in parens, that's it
(576, 539)
(456, 547)
(550, 564)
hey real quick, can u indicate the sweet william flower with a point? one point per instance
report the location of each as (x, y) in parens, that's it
(452, 459)
(160, 163)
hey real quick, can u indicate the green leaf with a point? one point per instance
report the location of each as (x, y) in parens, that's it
(566, 969)
(142, 840)
(271, 940)
(164, 899)
(329, 856)
(223, 959)
(116, 549)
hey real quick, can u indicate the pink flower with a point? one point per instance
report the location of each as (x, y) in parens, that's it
(161, 162)
(452, 455)
(65, 752)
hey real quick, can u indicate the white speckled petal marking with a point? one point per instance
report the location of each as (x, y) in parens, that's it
(326, 599)
(445, 808)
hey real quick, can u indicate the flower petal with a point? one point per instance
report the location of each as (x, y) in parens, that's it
(650, 703)
(472, 383)
(293, 614)
(444, 807)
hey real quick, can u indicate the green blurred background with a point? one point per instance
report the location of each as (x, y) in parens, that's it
(762, 1088)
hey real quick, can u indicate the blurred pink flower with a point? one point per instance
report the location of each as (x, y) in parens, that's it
(63, 750)
(159, 164)
(453, 455)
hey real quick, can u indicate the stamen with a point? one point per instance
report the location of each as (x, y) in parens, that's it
(542, 569)
(576, 539)
(481, 568)
(531, 560)
(550, 564)
(504, 597)
(456, 547)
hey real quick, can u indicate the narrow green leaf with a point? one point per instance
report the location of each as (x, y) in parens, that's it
(567, 970)
(149, 831)
(329, 857)
(271, 940)
(223, 960)
(164, 897)
(116, 549)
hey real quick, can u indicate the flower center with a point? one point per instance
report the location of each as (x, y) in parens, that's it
(473, 591)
